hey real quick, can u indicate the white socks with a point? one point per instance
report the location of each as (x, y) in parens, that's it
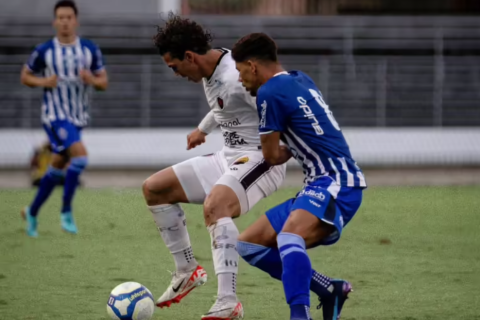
(224, 235)
(170, 221)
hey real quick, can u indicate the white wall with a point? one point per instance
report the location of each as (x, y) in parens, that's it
(142, 148)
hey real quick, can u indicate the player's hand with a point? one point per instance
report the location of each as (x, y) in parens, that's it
(50, 82)
(87, 77)
(196, 138)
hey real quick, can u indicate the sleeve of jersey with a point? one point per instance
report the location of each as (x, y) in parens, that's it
(208, 123)
(270, 113)
(97, 59)
(36, 62)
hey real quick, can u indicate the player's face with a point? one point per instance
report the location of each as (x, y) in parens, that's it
(186, 68)
(248, 77)
(65, 21)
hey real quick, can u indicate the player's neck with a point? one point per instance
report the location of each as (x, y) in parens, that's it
(270, 71)
(70, 39)
(210, 62)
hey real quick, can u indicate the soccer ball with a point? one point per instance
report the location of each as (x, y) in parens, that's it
(130, 301)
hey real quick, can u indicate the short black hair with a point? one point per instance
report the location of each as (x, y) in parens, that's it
(66, 4)
(255, 46)
(179, 35)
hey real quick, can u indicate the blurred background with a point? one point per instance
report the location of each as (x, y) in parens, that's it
(401, 77)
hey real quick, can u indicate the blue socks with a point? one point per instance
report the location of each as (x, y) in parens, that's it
(52, 178)
(47, 184)
(77, 165)
(269, 261)
(296, 276)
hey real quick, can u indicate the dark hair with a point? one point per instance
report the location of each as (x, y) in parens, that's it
(179, 35)
(66, 4)
(255, 46)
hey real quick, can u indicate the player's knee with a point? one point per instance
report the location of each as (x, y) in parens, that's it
(151, 194)
(210, 212)
(218, 205)
(78, 164)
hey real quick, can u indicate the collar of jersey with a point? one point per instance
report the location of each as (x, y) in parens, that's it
(212, 77)
(65, 44)
(280, 73)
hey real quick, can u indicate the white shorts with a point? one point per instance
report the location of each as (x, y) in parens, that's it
(247, 174)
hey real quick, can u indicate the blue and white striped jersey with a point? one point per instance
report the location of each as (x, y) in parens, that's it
(291, 103)
(70, 100)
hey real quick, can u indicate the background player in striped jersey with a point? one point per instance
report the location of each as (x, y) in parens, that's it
(68, 67)
(292, 109)
(228, 182)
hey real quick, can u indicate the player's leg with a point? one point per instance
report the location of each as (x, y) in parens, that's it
(186, 182)
(68, 143)
(48, 182)
(229, 199)
(78, 160)
(257, 245)
(315, 219)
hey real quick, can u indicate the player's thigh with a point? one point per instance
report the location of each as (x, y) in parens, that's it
(261, 232)
(251, 178)
(163, 187)
(308, 226)
(59, 154)
(198, 175)
(315, 216)
(67, 138)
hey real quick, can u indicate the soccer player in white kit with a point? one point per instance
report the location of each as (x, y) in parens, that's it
(228, 183)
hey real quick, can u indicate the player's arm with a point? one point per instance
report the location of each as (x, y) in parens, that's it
(98, 80)
(97, 76)
(273, 120)
(36, 64)
(198, 136)
(274, 153)
(208, 123)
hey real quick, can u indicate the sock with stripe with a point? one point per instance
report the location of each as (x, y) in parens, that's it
(296, 276)
(47, 184)
(77, 165)
(269, 261)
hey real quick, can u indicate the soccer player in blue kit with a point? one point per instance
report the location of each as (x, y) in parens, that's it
(291, 109)
(70, 66)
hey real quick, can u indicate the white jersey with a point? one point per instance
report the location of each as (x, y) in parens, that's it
(233, 108)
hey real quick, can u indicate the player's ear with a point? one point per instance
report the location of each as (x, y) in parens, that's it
(189, 56)
(253, 66)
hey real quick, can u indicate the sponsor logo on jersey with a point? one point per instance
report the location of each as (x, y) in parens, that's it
(241, 160)
(311, 193)
(315, 204)
(310, 115)
(263, 114)
(228, 124)
(220, 102)
(233, 139)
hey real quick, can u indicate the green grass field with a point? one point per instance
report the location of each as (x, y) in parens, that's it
(411, 254)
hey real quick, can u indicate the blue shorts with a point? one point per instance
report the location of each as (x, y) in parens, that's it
(62, 135)
(316, 199)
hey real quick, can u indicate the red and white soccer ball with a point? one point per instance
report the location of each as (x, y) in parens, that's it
(130, 301)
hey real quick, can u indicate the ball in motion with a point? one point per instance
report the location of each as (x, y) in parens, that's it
(130, 301)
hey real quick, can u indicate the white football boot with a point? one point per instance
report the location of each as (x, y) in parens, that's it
(181, 285)
(227, 308)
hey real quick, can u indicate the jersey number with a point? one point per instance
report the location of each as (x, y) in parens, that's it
(322, 104)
